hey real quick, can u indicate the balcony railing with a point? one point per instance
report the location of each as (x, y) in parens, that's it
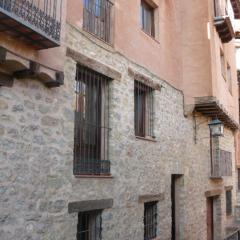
(37, 22)
(223, 22)
(234, 236)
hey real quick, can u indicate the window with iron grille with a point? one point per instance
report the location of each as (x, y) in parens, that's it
(147, 18)
(143, 108)
(97, 18)
(89, 226)
(229, 202)
(150, 220)
(91, 123)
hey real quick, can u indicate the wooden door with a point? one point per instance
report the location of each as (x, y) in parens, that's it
(210, 224)
(173, 195)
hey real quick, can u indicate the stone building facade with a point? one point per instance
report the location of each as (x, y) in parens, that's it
(41, 198)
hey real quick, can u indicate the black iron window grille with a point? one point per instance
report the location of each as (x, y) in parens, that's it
(44, 16)
(228, 202)
(150, 220)
(97, 19)
(91, 123)
(147, 18)
(144, 110)
(89, 225)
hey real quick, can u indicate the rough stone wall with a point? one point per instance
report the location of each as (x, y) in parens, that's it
(36, 158)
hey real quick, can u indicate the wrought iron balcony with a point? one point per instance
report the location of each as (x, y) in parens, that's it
(223, 22)
(36, 22)
(224, 28)
(234, 235)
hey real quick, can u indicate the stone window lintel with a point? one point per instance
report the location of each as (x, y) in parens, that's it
(143, 79)
(89, 205)
(94, 64)
(228, 188)
(213, 193)
(151, 198)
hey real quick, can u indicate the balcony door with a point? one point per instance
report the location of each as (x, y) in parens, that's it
(177, 198)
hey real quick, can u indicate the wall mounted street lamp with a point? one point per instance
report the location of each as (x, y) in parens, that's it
(216, 128)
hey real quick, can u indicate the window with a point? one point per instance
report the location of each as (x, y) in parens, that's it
(216, 8)
(97, 18)
(143, 104)
(226, 7)
(222, 64)
(91, 123)
(150, 220)
(238, 179)
(89, 226)
(220, 7)
(147, 18)
(229, 77)
(229, 202)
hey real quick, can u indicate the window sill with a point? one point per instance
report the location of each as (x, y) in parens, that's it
(217, 178)
(229, 216)
(94, 176)
(150, 139)
(93, 38)
(150, 36)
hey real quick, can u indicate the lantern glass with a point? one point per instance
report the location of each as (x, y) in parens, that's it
(216, 128)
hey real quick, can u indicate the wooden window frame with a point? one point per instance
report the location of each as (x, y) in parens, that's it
(150, 220)
(89, 225)
(238, 173)
(150, 9)
(143, 110)
(223, 64)
(229, 202)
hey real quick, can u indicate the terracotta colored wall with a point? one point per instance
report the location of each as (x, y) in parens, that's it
(229, 99)
(161, 56)
(189, 61)
(196, 50)
(201, 57)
